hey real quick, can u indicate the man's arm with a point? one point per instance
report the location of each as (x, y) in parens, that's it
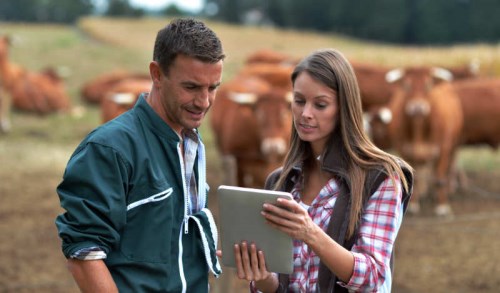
(92, 276)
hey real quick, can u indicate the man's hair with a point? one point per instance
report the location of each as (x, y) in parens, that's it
(189, 37)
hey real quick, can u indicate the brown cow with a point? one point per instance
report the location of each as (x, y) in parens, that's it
(467, 71)
(94, 90)
(122, 96)
(480, 99)
(426, 127)
(41, 92)
(5, 81)
(251, 122)
(373, 87)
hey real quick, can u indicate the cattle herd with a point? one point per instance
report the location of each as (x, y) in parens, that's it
(43, 92)
(422, 113)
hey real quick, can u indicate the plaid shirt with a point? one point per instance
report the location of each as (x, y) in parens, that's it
(190, 139)
(372, 251)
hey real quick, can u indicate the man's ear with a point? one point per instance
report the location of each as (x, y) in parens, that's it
(155, 72)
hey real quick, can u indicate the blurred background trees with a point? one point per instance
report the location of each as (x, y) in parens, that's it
(44, 10)
(422, 22)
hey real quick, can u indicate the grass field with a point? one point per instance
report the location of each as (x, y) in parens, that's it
(433, 255)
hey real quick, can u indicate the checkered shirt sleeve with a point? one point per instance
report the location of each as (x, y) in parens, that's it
(89, 253)
(379, 227)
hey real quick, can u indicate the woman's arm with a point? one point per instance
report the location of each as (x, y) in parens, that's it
(366, 264)
(379, 227)
(294, 220)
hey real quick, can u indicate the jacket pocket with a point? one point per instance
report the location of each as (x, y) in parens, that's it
(147, 236)
(154, 198)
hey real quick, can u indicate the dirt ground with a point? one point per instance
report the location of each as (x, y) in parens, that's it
(432, 255)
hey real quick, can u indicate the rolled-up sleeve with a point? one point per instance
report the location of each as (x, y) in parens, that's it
(92, 193)
(380, 224)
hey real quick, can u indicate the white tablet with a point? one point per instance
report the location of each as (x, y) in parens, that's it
(240, 219)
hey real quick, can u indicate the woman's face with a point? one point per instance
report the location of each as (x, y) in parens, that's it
(314, 109)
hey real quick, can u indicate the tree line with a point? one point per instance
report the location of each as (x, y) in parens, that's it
(395, 21)
(44, 10)
(422, 22)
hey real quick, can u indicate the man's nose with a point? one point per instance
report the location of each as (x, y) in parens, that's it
(203, 99)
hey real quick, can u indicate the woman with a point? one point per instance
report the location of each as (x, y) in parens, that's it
(349, 195)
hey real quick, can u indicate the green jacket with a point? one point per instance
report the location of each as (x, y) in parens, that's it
(123, 191)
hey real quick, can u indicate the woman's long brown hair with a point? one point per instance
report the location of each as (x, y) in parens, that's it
(330, 67)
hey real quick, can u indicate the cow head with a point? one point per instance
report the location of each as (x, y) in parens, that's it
(115, 104)
(272, 114)
(122, 96)
(413, 89)
(5, 42)
(414, 85)
(469, 70)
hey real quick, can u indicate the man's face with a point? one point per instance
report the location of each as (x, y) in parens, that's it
(188, 91)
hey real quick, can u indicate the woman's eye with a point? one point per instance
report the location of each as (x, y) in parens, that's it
(299, 102)
(321, 106)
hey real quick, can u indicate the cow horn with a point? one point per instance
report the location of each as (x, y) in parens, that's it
(123, 98)
(385, 115)
(289, 97)
(394, 75)
(442, 73)
(243, 98)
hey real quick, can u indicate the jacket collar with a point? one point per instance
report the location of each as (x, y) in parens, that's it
(153, 120)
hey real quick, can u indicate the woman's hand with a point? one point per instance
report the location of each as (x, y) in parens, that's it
(291, 218)
(250, 263)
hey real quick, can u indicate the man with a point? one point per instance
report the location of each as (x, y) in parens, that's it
(135, 188)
